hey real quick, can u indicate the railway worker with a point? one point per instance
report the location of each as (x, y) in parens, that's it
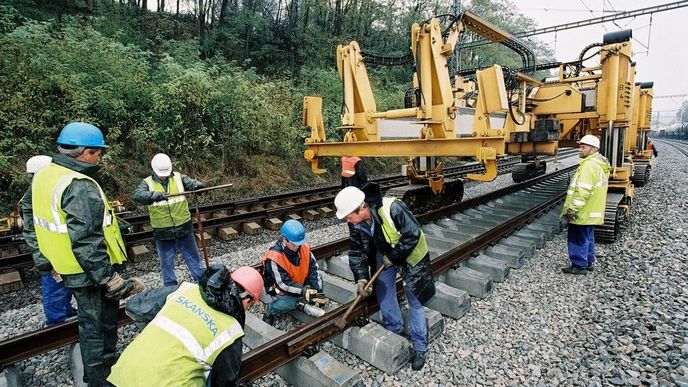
(584, 205)
(170, 218)
(290, 272)
(651, 146)
(196, 338)
(353, 173)
(75, 228)
(55, 297)
(383, 231)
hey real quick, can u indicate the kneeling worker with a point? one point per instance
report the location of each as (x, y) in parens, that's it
(291, 272)
(196, 338)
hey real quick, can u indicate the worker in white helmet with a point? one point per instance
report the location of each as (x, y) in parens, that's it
(584, 205)
(170, 218)
(55, 297)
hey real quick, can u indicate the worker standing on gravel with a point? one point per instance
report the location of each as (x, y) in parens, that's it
(584, 205)
(170, 218)
(290, 272)
(195, 339)
(75, 228)
(383, 231)
(55, 297)
(353, 173)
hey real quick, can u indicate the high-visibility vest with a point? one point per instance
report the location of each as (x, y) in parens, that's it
(173, 211)
(587, 193)
(180, 345)
(50, 221)
(392, 235)
(349, 165)
(297, 273)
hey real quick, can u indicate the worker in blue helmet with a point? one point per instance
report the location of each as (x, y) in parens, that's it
(75, 229)
(290, 272)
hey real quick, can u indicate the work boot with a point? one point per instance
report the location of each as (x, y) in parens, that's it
(268, 318)
(417, 360)
(574, 270)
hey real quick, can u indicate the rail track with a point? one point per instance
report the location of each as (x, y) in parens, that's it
(455, 234)
(312, 203)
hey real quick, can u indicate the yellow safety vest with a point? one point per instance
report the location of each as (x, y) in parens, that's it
(50, 221)
(392, 235)
(173, 211)
(180, 345)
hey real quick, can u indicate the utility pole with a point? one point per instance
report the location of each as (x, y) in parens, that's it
(456, 10)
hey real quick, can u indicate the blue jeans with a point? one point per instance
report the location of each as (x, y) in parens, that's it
(56, 300)
(282, 304)
(581, 244)
(167, 250)
(386, 293)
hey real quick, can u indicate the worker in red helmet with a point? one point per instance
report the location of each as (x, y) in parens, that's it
(196, 337)
(353, 173)
(291, 273)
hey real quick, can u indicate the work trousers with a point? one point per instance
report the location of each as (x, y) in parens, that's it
(282, 304)
(97, 332)
(581, 245)
(386, 293)
(56, 300)
(167, 251)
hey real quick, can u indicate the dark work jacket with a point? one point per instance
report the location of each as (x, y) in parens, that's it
(358, 179)
(364, 247)
(277, 276)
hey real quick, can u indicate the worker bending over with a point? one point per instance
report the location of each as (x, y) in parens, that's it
(75, 228)
(586, 199)
(196, 338)
(170, 217)
(383, 231)
(290, 272)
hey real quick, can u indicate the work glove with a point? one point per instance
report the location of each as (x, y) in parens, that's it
(319, 301)
(567, 218)
(309, 293)
(360, 288)
(158, 196)
(386, 262)
(56, 276)
(118, 288)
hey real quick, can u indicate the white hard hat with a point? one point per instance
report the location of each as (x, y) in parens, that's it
(162, 165)
(347, 200)
(591, 140)
(37, 162)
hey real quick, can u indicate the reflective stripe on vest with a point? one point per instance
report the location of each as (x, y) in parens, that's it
(50, 221)
(180, 345)
(299, 273)
(349, 165)
(392, 235)
(173, 211)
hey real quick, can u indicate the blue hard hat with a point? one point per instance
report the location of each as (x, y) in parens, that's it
(81, 134)
(294, 232)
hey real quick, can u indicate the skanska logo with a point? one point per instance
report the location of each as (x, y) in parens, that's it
(198, 311)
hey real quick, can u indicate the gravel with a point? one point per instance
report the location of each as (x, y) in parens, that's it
(623, 324)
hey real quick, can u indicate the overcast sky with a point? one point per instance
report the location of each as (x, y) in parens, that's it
(660, 49)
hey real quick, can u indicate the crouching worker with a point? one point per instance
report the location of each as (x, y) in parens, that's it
(196, 338)
(291, 274)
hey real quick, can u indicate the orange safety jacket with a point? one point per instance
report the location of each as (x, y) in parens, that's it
(349, 165)
(297, 273)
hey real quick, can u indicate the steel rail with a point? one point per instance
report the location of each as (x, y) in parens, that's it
(44, 340)
(269, 356)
